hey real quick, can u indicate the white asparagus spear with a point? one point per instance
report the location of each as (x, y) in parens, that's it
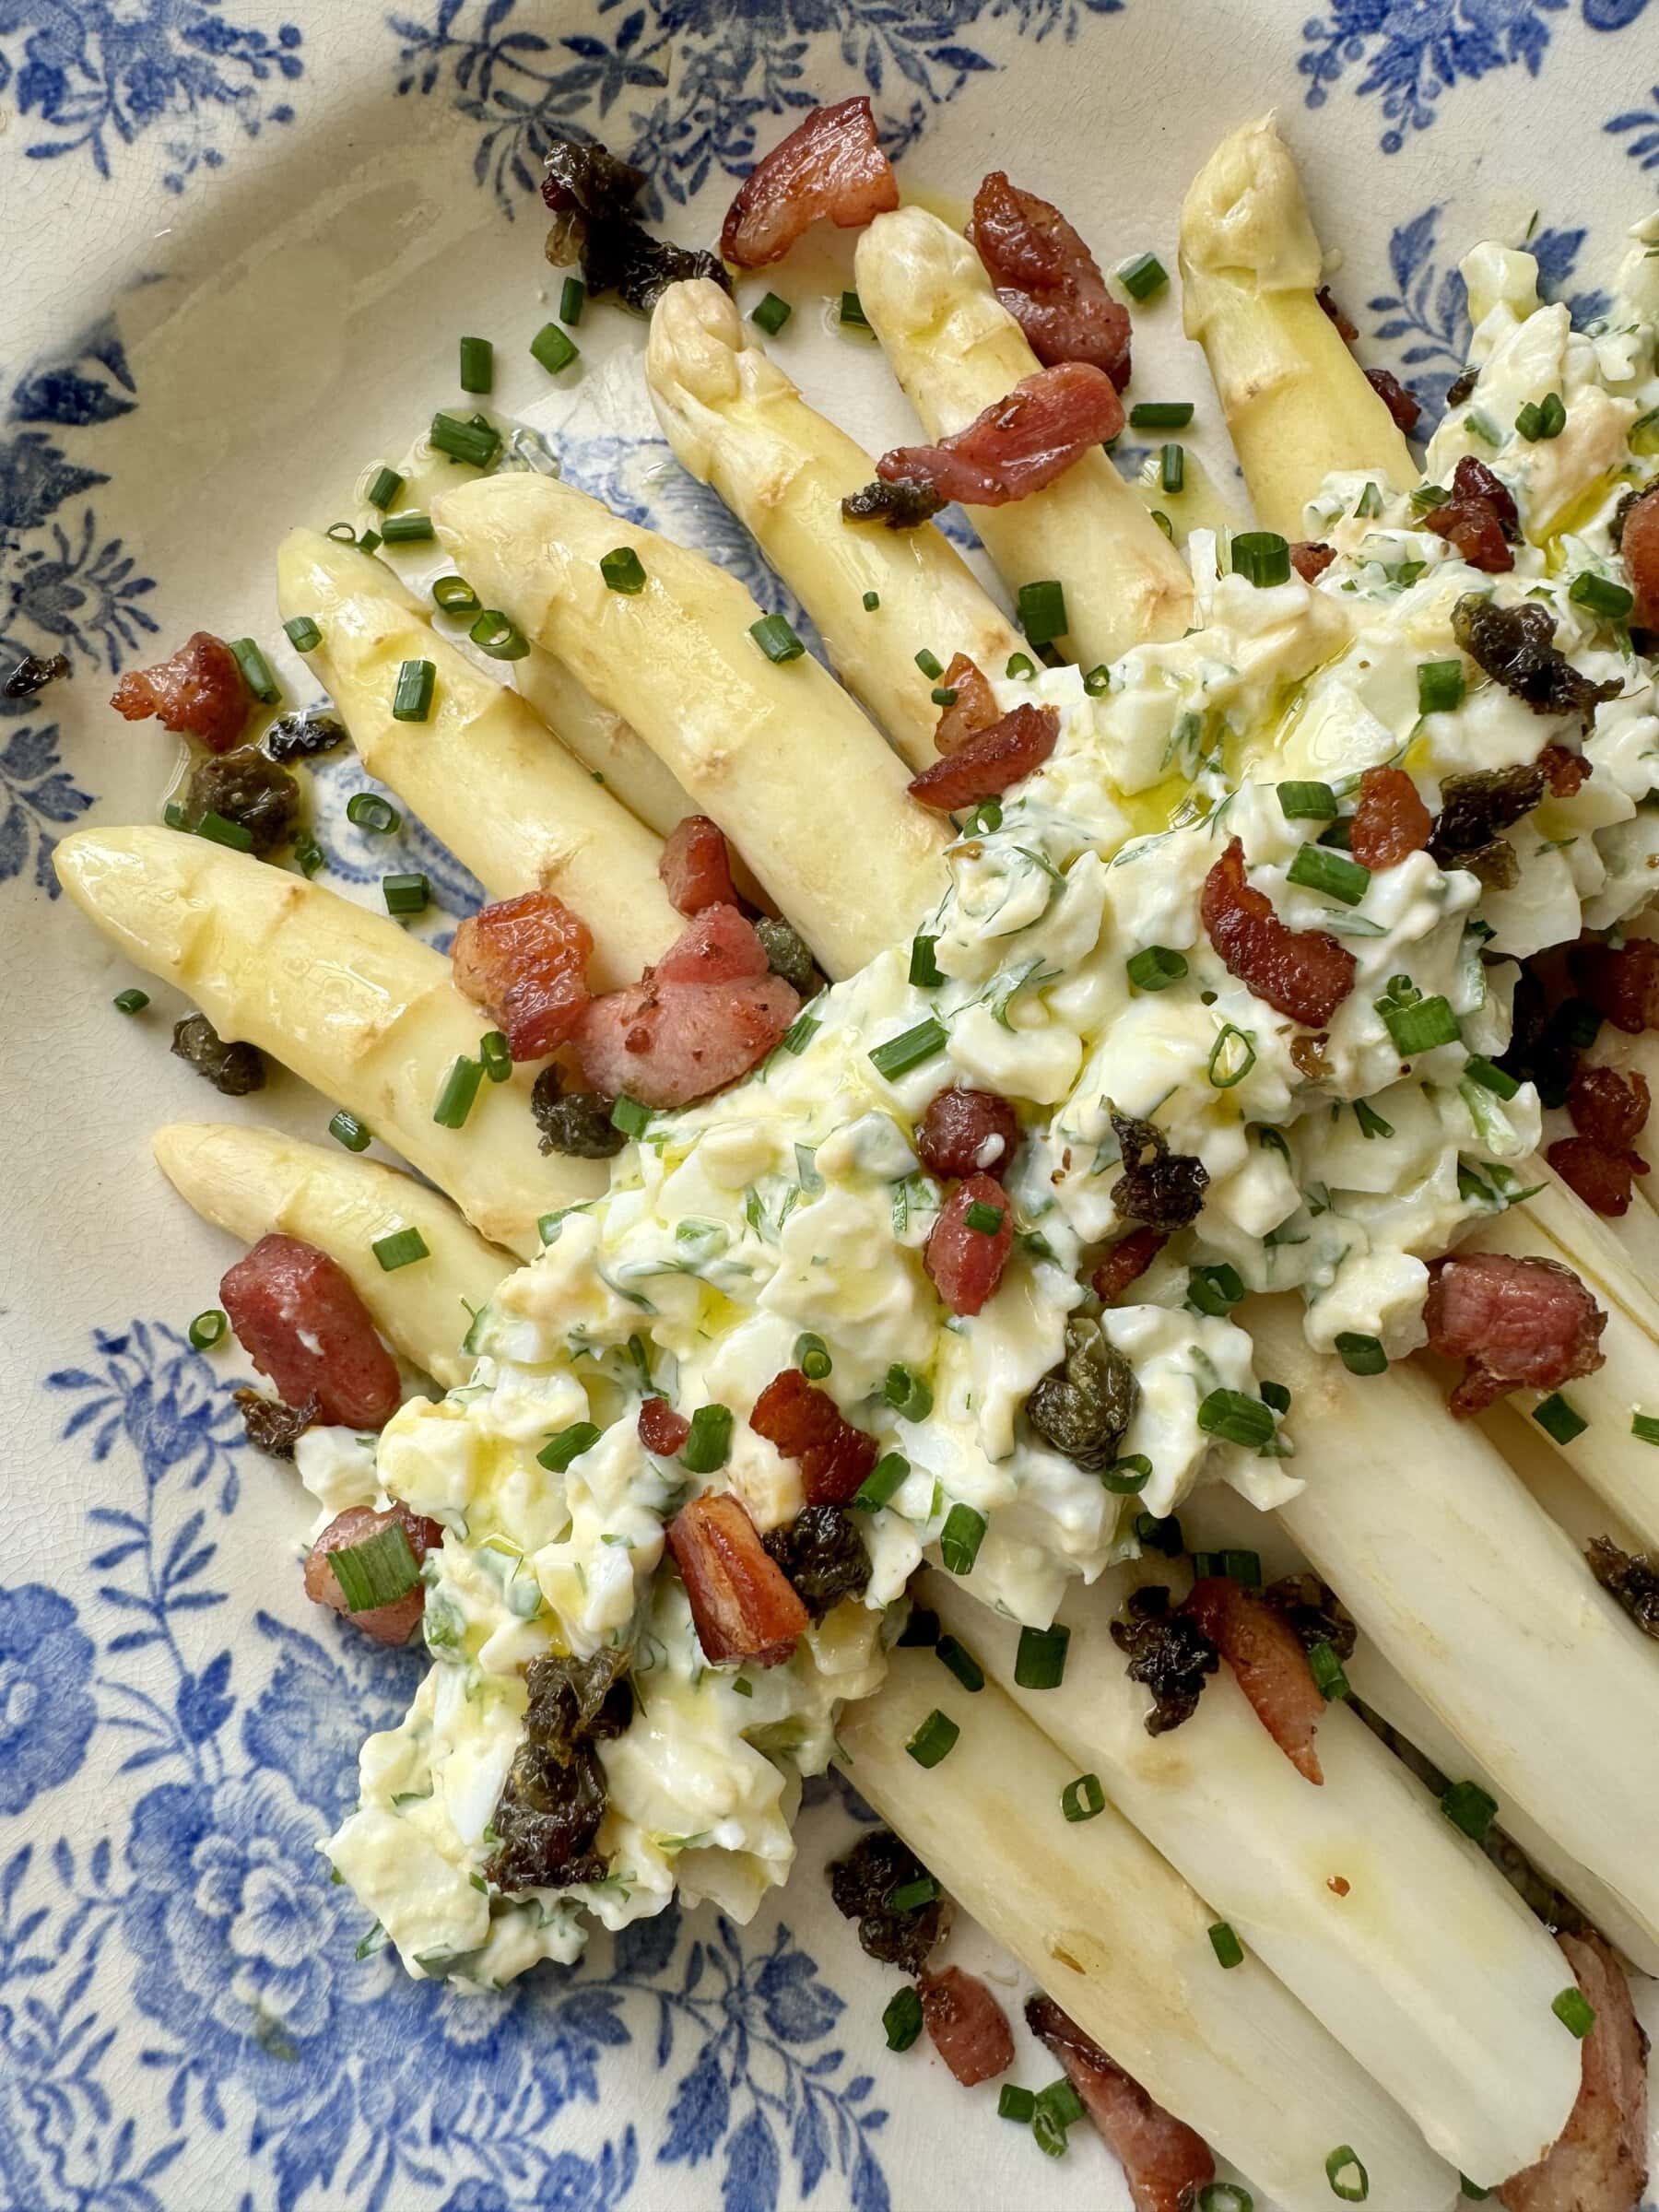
(776, 752)
(482, 771)
(346, 998)
(956, 350)
(1296, 400)
(1426, 1967)
(602, 741)
(255, 1182)
(1480, 1601)
(737, 422)
(1121, 1943)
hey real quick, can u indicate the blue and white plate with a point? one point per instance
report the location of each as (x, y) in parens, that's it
(240, 254)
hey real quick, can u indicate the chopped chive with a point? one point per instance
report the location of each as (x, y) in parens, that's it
(1160, 415)
(910, 1397)
(478, 442)
(901, 2018)
(460, 1089)
(910, 1896)
(383, 487)
(909, 1049)
(812, 1356)
(303, 634)
(1420, 1027)
(1229, 1950)
(984, 1220)
(930, 664)
(1428, 497)
(1370, 503)
(771, 314)
(743, 1686)
(1222, 1072)
(931, 1742)
(1601, 595)
(800, 1033)
(1644, 433)
(1542, 420)
(1470, 1808)
(1307, 801)
(1317, 868)
(257, 672)
(959, 1539)
(1471, 2190)
(1015, 2103)
(1574, 2011)
(1490, 1078)
(569, 1444)
(1236, 1418)
(377, 1571)
(623, 570)
(1041, 611)
(308, 856)
(987, 815)
(872, 600)
(499, 635)
(1083, 1799)
(455, 596)
(572, 299)
(368, 811)
(1048, 2135)
(775, 639)
(1040, 1662)
(554, 349)
(1371, 1124)
(1164, 1535)
(1559, 1418)
(1277, 1396)
(130, 1001)
(924, 968)
(1214, 1290)
(407, 529)
(851, 310)
(477, 365)
(1326, 1670)
(412, 700)
(883, 1479)
(1061, 2103)
(406, 894)
(218, 831)
(1171, 469)
(1360, 1355)
(368, 543)
(1643, 1425)
(402, 1248)
(1143, 275)
(1440, 686)
(1155, 968)
(1127, 1477)
(1479, 424)
(630, 1116)
(1098, 682)
(207, 1329)
(709, 1446)
(943, 696)
(1261, 556)
(961, 1663)
(345, 1129)
(921, 1629)
(1347, 2175)
(1225, 2196)
(1019, 665)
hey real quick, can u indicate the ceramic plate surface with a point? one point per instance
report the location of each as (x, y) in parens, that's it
(243, 240)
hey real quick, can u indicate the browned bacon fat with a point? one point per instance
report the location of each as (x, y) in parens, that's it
(984, 766)
(830, 166)
(525, 961)
(972, 710)
(1164, 2162)
(1302, 972)
(1609, 1110)
(1640, 545)
(662, 1429)
(1479, 519)
(968, 1133)
(298, 1318)
(969, 1244)
(1017, 444)
(1311, 557)
(702, 1016)
(1403, 406)
(199, 692)
(1599, 2161)
(1268, 1663)
(358, 1525)
(1391, 821)
(806, 1424)
(1516, 1324)
(1621, 983)
(1126, 1262)
(742, 1604)
(694, 866)
(1048, 279)
(967, 2026)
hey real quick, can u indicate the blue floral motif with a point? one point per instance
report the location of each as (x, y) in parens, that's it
(686, 85)
(98, 74)
(36, 791)
(1639, 127)
(1413, 52)
(46, 1711)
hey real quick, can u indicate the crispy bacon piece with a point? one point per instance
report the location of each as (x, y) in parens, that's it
(1640, 545)
(1048, 279)
(966, 1262)
(742, 1604)
(1599, 2160)
(1609, 1110)
(357, 1525)
(1517, 1325)
(968, 2028)
(1601, 1178)
(1403, 406)
(1268, 1661)
(968, 1133)
(525, 961)
(1471, 480)
(199, 692)
(298, 1318)
(1311, 557)
(983, 767)
(702, 1016)
(973, 708)
(1565, 772)
(1479, 519)
(1391, 821)
(694, 866)
(1017, 444)
(662, 1429)
(1164, 2162)
(1302, 972)
(830, 166)
(1126, 1262)
(1621, 983)
(806, 1425)
(1346, 330)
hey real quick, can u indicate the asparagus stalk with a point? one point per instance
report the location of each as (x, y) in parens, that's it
(603, 742)
(1119, 1941)
(1390, 1927)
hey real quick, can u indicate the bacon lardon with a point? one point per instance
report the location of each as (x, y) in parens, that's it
(743, 1606)
(993, 761)
(524, 960)
(358, 1525)
(1302, 972)
(1598, 2162)
(966, 1261)
(1017, 444)
(296, 1314)
(1267, 1662)
(662, 1431)
(1608, 1110)
(1621, 983)
(968, 1133)
(694, 866)
(1048, 279)
(807, 1426)
(974, 708)
(1164, 2161)
(1517, 1325)
(1391, 821)
(1480, 518)
(830, 166)
(1640, 545)
(199, 692)
(1126, 1262)
(966, 2026)
(1311, 557)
